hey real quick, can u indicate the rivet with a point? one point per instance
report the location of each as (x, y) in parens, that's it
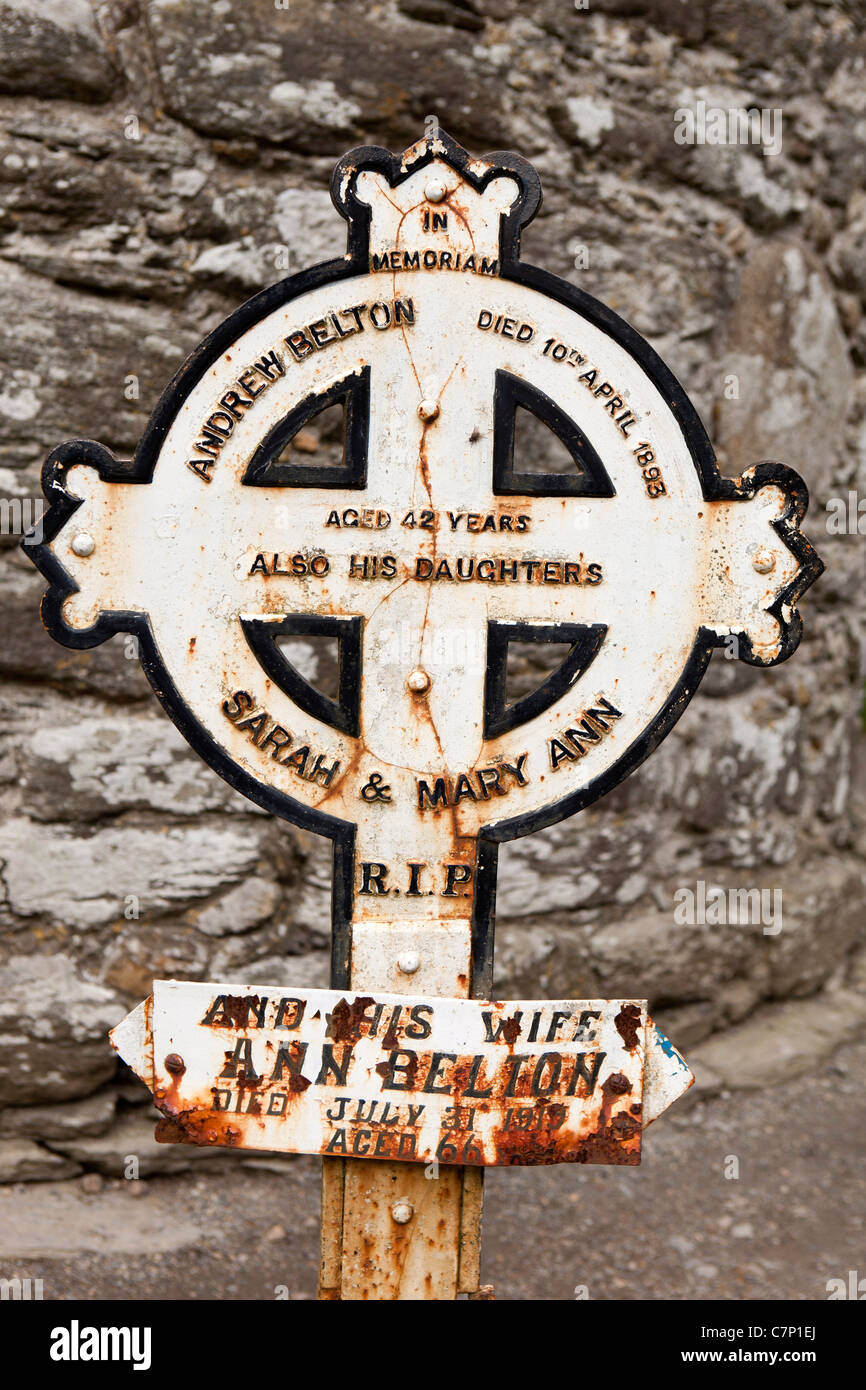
(82, 544)
(175, 1063)
(402, 1212)
(428, 410)
(764, 561)
(418, 681)
(435, 191)
(408, 962)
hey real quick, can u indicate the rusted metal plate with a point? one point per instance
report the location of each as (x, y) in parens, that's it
(395, 1077)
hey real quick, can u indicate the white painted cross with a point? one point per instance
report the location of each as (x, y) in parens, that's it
(425, 552)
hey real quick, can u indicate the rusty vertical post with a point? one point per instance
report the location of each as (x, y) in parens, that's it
(402, 1231)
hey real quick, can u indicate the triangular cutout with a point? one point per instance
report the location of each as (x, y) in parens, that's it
(269, 467)
(591, 478)
(344, 713)
(499, 716)
(538, 449)
(316, 657)
(527, 666)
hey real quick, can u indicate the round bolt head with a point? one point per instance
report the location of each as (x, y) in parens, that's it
(175, 1063)
(418, 681)
(764, 561)
(402, 1212)
(428, 410)
(408, 962)
(82, 544)
(435, 191)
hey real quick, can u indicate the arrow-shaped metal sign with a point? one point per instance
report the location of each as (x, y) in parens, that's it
(391, 1076)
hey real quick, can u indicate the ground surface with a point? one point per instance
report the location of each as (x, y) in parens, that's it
(675, 1228)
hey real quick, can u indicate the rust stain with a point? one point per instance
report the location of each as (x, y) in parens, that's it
(345, 1020)
(627, 1024)
(617, 1085)
(511, 1029)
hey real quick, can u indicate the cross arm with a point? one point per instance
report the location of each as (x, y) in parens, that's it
(758, 563)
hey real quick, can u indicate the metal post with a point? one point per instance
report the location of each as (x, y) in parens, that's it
(403, 1230)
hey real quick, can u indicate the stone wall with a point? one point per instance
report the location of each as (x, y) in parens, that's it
(160, 160)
